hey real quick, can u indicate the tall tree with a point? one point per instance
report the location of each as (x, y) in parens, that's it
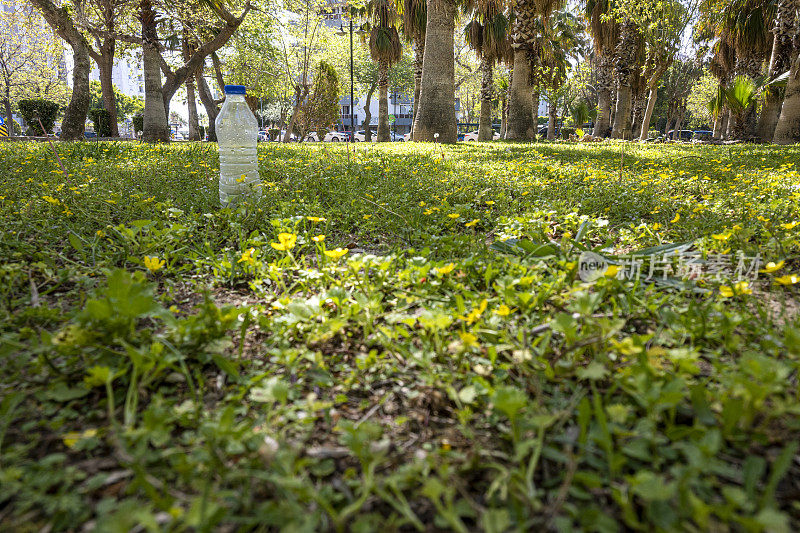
(436, 116)
(783, 31)
(486, 33)
(385, 49)
(530, 23)
(625, 62)
(787, 130)
(414, 22)
(59, 18)
(605, 33)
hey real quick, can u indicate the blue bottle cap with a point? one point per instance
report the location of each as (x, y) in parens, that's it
(235, 89)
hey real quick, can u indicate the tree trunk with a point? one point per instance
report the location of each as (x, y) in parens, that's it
(74, 122)
(551, 122)
(383, 101)
(156, 127)
(106, 65)
(778, 64)
(726, 120)
(521, 126)
(419, 50)
(7, 106)
(437, 112)
(648, 113)
(191, 104)
(368, 114)
(485, 132)
(212, 110)
(604, 101)
(622, 111)
(787, 130)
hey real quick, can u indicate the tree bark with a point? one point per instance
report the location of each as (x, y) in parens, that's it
(191, 104)
(552, 112)
(7, 107)
(368, 113)
(787, 131)
(156, 127)
(604, 101)
(105, 64)
(437, 112)
(74, 122)
(521, 126)
(383, 101)
(212, 110)
(485, 132)
(419, 49)
(778, 64)
(648, 114)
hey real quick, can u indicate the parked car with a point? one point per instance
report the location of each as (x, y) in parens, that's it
(311, 137)
(683, 135)
(473, 136)
(89, 134)
(292, 137)
(263, 136)
(337, 137)
(361, 135)
(704, 135)
(407, 137)
(396, 137)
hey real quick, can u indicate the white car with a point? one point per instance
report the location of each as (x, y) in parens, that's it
(361, 136)
(337, 137)
(473, 136)
(407, 137)
(263, 136)
(311, 137)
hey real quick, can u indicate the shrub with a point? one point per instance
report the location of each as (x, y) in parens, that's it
(566, 132)
(274, 133)
(138, 123)
(102, 121)
(35, 109)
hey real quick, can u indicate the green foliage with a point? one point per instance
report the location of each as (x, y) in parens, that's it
(138, 122)
(169, 365)
(127, 106)
(321, 110)
(741, 95)
(35, 109)
(101, 120)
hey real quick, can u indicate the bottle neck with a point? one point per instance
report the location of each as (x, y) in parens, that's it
(234, 97)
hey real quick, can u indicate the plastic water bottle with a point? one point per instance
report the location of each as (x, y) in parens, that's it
(237, 136)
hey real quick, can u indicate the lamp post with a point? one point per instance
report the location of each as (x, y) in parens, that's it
(341, 32)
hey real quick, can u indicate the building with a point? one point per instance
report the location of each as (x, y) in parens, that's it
(127, 74)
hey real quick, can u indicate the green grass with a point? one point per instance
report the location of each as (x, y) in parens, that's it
(163, 365)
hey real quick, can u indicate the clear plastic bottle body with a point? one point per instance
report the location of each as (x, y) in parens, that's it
(237, 137)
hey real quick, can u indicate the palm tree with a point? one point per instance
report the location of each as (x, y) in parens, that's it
(486, 34)
(562, 42)
(625, 62)
(605, 33)
(385, 49)
(722, 66)
(436, 113)
(741, 98)
(530, 18)
(785, 22)
(787, 130)
(414, 20)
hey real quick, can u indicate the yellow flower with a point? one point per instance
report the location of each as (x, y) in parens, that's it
(446, 269)
(503, 310)
(677, 218)
(611, 271)
(367, 217)
(472, 223)
(153, 263)
(721, 236)
(336, 254)
(316, 219)
(286, 242)
(71, 439)
(454, 215)
(788, 279)
(50, 200)
(240, 180)
(468, 339)
(771, 267)
(247, 256)
(741, 287)
(790, 225)
(318, 238)
(421, 203)
(476, 313)
(489, 202)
